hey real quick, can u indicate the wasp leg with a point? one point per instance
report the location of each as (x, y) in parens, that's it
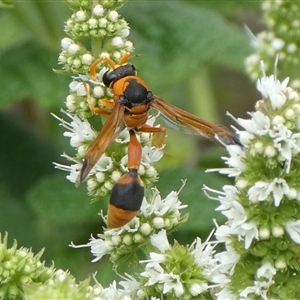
(102, 111)
(105, 102)
(128, 192)
(159, 134)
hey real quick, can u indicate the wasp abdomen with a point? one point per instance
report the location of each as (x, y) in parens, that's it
(125, 199)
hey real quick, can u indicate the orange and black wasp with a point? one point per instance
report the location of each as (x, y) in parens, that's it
(130, 109)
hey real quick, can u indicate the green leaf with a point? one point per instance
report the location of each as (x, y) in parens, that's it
(25, 156)
(14, 214)
(175, 38)
(44, 19)
(13, 35)
(27, 72)
(57, 199)
(29, 47)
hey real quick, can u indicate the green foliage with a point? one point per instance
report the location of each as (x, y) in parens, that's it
(53, 199)
(179, 38)
(20, 268)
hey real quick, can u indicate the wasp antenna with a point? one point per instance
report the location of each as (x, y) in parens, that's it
(97, 62)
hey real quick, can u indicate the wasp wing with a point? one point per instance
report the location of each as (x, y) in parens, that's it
(174, 114)
(108, 133)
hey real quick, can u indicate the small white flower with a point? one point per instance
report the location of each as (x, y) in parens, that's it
(249, 231)
(98, 10)
(113, 15)
(78, 88)
(225, 294)
(235, 162)
(269, 151)
(98, 91)
(267, 271)
(277, 44)
(102, 22)
(259, 191)
(203, 253)
(236, 214)
(80, 16)
(112, 292)
(87, 59)
(158, 222)
(151, 155)
(117, 41)
(115, 176)
(280, 132)
(123, 137)
(222, 233)
(145, 229)
(130, 284)
(99, 247)
(172, 282)
(279, 188)
(105, 163)
(73, 170)
(197, 289)
(293, 229)
(259, 124)
(260, 288)
(73, 48)
(93, 23)
(79, 131)
(273, 89)
(125, 32)
(228, 259)
(160, 241)
(65, 43)
(264, 233)
(277, 231)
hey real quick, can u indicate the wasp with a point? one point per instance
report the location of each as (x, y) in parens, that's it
(130, 108)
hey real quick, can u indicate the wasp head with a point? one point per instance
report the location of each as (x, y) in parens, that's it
(110, 77)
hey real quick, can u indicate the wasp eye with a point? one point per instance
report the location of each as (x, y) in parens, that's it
(108, 78)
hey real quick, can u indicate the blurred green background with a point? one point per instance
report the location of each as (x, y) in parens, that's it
(191, 54)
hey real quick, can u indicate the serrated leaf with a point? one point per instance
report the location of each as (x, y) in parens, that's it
(57, 199)
(180, 37)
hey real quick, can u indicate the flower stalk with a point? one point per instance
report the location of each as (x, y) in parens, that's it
(261, 234)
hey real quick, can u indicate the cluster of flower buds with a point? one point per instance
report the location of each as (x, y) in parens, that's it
(20, 268)
(281, 38)
(177, 271)
(155, 214)
(262, 233)
(103, 26)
